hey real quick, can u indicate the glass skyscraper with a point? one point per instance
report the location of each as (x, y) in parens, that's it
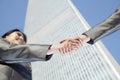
(48, 22)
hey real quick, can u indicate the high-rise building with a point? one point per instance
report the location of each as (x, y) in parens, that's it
(48, 22)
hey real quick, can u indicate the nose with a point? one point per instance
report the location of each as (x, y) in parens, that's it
(21, 38)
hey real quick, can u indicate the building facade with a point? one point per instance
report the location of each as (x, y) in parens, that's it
(48, 22)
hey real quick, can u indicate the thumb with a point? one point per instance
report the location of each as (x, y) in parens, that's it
(62, 41)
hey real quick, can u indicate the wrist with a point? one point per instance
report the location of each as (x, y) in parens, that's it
(85, 38)
(88, 39)
(52, 48)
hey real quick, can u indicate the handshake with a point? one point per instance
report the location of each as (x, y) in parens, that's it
(70, 44)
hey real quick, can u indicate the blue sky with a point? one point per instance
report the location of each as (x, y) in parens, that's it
(13, 12)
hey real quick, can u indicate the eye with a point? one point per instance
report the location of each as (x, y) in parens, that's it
(19, 34)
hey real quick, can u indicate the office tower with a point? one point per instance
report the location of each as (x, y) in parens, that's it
(48, 22)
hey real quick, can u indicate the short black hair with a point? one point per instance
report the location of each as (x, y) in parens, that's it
(11, 31)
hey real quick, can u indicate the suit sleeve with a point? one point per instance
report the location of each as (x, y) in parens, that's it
(24, 53)
(110, 25)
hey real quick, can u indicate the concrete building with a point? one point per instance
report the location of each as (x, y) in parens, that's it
(48, 22)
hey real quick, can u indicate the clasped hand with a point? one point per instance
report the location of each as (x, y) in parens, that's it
(70, 44)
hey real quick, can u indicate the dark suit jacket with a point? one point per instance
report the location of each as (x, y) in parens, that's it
(111, 24)
(13, 56)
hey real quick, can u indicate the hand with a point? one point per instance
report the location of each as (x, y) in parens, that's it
(74, 42)
(62, 48)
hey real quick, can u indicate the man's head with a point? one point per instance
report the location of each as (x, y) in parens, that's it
(15, 36)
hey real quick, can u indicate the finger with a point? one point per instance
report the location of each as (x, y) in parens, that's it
(69, 47)
(64, 40)
(60, 50)
(75, 44)
(63, 50)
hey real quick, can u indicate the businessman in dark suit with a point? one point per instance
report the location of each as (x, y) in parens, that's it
(108, 26)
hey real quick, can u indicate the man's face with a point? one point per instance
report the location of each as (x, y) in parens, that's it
(15, 38)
